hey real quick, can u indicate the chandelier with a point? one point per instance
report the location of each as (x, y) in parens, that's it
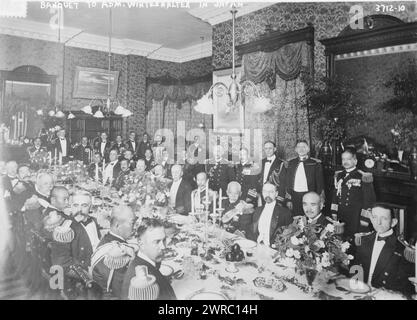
(106, 106)
(236, 92)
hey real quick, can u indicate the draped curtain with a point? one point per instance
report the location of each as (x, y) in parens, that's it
(279, 76)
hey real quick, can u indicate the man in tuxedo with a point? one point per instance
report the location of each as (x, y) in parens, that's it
(95, 169)
(119, 145)
(191, 168)
(112, 168)
(143, 146)
(219, 170)
(273, 171)
(149, 160)
(132, 144)
(199, 194)
(312, 206)
(62, 145)
(180, 191)
(302, 174)
(109, 275)
(269, 217)
(128, 155)
(9, 181)
(380, 254)
(103, 146)
(353, 195)
(119, 182)
(237, 214)
(247, 173)
(151, 237)
(82, 151)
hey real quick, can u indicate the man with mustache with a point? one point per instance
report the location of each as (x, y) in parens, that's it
(312, 207)
(151, 237)
(269, 217)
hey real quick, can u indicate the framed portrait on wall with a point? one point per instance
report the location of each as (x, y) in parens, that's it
(90, 83)
(226, 118)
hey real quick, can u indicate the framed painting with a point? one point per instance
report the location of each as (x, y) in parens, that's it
(226, 118)
(90, 83)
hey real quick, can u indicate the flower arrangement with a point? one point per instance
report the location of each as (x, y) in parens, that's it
(71, 172)
(311, 247)
(145, 191)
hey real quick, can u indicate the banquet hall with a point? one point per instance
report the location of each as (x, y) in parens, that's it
(208, 150)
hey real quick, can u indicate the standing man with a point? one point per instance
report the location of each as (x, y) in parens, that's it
(221, 172)
(151, 237)
(118, 145)
(62, 146)
(273, 171)
(132, 144)
(103, 146)
(353, 195)
(82, 151)
(143, 146)
(269, 217)
(246, 174)
(112, 169)
(180, 191)
(109, 272)
(303, 174)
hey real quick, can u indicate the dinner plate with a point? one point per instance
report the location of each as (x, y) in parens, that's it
(166, 270)
(246, 244)
(352, 285)
(207, 295)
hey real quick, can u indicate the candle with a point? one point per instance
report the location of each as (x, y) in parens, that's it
(50, 158)
(220, 198)
(207, 188)
(60, 158)
(192, 202)
(97, 173)
(214, 204)
(104, 166)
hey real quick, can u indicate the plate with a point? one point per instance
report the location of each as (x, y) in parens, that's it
(207, 295)
(245, 244)
(356, 287)
(166, 270)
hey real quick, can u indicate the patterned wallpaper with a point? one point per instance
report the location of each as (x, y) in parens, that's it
(328, 20)
(18, 51)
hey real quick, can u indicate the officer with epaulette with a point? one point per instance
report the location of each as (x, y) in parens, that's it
(303, 174)
(246, 174)
(219, 170)
(381, 255)
(353, 195)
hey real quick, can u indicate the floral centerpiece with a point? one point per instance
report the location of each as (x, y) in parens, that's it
(70, 173)
(311, 248)
(146, 192)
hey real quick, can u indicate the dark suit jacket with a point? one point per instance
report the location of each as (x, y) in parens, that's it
(165, 290)
(107, 149)
(129, 146)
(391, 270)
(245, 220)
(314, 174)
(183, 197)
(101, 272)
(142, 148)
(281, 217)
(82, 153)
(276, 175)
(57, 145)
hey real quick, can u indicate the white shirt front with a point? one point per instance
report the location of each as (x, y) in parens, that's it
(102, 147)
(376, 251)
(63, 143)
(315, 219)
(91, 230)
(300, 180)
(268, 167)
(133, 145)
(264, 223)
(173, 192)
(108, 172)
(145, 257)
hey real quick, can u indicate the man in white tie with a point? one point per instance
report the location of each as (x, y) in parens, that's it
(180, 191)
(63, 147)
(103, 146)
(273, 170)
(269, 217)
(303, 174)
(80, 209)
(112, 169)
(132, 144)
(380, 254)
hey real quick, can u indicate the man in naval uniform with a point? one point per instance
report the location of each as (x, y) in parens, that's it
(219, 170)
(353, 195)
(302, 174)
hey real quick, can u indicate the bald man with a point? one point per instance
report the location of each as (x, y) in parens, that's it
(121, 229)
(180, 191)
(199, 194)
(312, 207)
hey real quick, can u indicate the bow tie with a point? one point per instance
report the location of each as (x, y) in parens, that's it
(62, 139)
(270, 161)
(302, 159)
(379, 238)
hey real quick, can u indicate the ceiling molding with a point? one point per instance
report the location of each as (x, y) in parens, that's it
(42, 31)
(214, 15)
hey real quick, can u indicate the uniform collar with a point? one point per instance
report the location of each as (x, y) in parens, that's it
(350, 170)
(271, 158)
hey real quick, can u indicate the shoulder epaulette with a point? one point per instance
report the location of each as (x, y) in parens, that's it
(315, 159)
(64, 233)
(367, 177)
(358, 237)
(336, 173)
(116, 257)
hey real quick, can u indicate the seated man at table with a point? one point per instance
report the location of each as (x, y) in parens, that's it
(312, 207)
(269, 217)
(380, 254)
(237, 214)
(180, 191)
(199, 194)
(95, 169)
(128, 155)
(151, 237)
(119, 182)
(109, 272)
